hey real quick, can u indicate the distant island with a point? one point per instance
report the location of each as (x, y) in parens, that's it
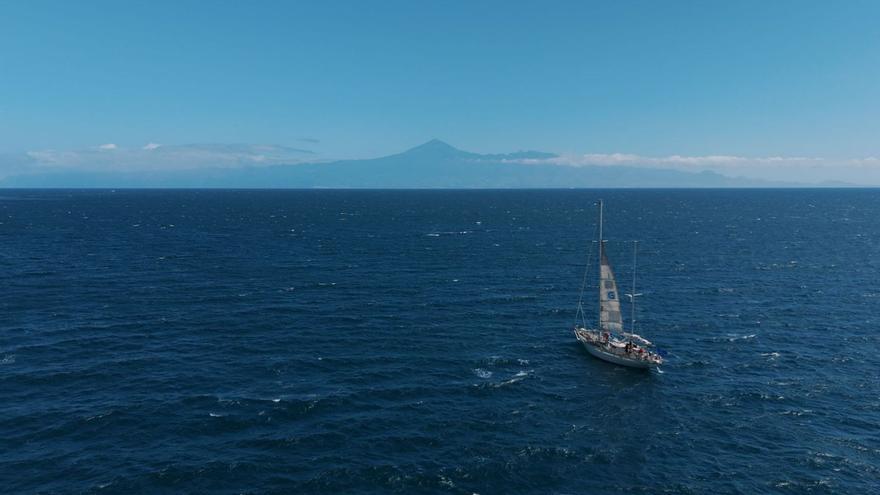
(434, 164)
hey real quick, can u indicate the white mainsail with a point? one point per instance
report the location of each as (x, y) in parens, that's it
(609, 304)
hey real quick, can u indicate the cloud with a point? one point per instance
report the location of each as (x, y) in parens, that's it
(153, 156)
(803, 169)
(162, 157)
(870, 161)
(675, 161)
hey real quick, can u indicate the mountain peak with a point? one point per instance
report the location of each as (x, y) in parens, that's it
(435, 147)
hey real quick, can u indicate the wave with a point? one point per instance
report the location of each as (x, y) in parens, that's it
(482, 373)
(448, 233)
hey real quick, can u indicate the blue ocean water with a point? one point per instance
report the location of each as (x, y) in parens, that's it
(419, 342)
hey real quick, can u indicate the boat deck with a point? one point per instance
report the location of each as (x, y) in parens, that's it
(615, 351)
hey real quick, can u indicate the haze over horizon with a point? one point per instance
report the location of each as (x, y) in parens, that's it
(782, 91)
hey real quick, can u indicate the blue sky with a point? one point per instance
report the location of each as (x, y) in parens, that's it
(645, 80)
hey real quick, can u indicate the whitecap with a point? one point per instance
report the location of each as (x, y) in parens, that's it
(509, 382)
(792, 412)
(98, 416)
(446, 481)
(480, 372)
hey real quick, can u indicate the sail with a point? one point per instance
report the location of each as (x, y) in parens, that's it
(609, 303)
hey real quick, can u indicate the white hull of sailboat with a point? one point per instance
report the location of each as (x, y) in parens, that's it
(613, 351)
(614, 358)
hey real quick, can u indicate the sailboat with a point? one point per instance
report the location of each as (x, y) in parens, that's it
(610, 341)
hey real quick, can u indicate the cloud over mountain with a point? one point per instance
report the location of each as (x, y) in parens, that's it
(151, 157)
(698, 162)
(812, 169)
(432, 164)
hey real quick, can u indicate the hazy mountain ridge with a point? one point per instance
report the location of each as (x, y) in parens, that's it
(434, 164)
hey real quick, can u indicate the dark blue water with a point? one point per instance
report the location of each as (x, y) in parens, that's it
(419, 342)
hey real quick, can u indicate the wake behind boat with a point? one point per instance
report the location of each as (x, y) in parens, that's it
(609, 341)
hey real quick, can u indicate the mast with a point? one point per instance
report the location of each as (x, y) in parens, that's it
(632, 318)
(610, 319)
(601, 253)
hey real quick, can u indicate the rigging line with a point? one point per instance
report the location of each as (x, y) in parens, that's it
(583, 317)
(580, 306)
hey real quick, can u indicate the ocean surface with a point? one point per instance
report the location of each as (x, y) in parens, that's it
(238, 342)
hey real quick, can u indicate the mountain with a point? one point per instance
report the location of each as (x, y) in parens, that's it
(434, 164)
